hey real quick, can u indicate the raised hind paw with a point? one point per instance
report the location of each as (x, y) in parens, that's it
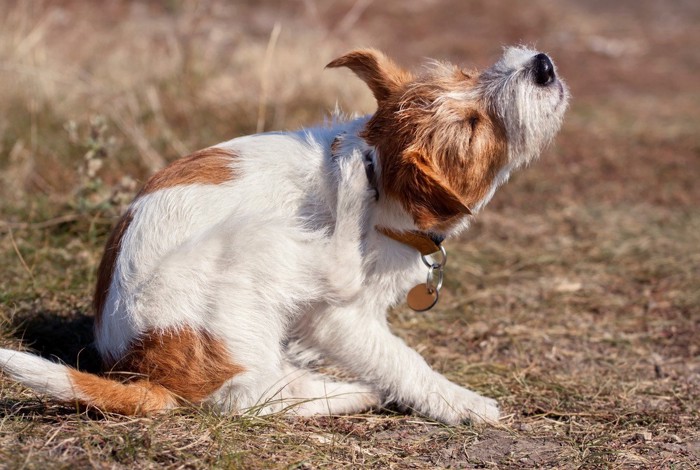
(345, 274)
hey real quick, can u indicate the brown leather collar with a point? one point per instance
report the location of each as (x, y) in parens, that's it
(425, 243)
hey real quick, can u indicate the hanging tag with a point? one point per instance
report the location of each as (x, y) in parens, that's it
(422, 298)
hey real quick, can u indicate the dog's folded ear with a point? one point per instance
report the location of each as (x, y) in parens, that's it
(424, 193)
(380, 73)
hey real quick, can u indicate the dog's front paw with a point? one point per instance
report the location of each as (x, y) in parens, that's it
(479, 409)
(462, 405)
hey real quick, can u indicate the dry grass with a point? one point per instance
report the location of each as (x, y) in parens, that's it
(574, 300)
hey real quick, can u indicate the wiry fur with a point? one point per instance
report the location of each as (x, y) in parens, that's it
(235, 269)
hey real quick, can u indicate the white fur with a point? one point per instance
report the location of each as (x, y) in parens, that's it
(37, 373)
(283, 264)
(532, 114)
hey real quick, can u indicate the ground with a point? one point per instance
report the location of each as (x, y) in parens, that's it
(574, 300)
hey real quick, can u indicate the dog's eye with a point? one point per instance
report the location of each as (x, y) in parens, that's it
(472, 122)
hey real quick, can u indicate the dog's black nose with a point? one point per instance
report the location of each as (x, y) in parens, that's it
(543, 69)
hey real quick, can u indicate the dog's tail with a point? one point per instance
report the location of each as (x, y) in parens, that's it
(69, 385)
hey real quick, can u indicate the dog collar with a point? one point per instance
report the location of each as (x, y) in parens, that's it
(425, 243)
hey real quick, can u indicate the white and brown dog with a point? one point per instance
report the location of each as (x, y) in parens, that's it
(237, 267)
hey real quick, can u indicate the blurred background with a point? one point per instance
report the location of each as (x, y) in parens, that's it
(575, 298)
(169, 77)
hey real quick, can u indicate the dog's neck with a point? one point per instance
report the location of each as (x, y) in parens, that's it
(425, 242)
(391, 220)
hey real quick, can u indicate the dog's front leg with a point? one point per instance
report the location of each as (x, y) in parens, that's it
(363, 344)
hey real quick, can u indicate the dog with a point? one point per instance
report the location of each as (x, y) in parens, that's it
(236, 269)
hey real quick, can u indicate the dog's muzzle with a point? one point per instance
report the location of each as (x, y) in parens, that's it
(543, 70)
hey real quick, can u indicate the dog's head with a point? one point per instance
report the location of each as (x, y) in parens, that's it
(447, 137)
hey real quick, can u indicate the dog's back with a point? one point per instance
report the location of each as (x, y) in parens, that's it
(224, 213)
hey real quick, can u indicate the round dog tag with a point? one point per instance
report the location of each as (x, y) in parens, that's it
(421, 298)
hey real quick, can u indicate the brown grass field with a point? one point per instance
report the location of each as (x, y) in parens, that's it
(574, 300)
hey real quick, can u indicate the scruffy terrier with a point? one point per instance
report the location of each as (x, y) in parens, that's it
(236, 268)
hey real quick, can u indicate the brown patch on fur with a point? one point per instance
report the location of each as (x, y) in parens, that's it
(106, 268)
(208, 166)
(137, 398)
(422, 190)
(439, 148)
(190, 364)
(165, 369)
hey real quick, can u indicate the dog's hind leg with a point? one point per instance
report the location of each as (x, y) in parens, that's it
(306, 393)
(317, 394)
(345, 248)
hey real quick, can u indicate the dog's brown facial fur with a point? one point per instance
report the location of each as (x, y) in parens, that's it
(439, 147)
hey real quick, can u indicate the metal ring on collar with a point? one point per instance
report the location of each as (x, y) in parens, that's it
(441, 263)
(430, 281)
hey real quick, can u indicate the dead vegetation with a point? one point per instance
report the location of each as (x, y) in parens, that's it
(574, 300)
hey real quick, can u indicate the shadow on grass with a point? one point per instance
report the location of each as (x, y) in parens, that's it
(39, 411)
(55, 336)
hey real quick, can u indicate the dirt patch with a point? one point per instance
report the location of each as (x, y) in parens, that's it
(498, 448)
